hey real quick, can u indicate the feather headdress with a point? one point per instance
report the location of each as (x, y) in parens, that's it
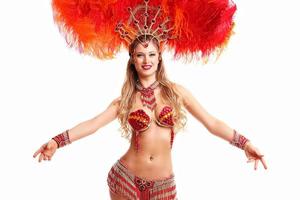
(189, 27)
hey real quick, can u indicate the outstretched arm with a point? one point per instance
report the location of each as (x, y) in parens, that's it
(81, 130)
(212, 124)
(216, 126)
(92, 125)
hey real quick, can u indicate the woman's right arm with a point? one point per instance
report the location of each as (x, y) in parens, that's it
(92, 125)
(47, 150)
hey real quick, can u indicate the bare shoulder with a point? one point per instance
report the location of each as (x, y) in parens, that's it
(180, 89)
(109, 114)
(115, 102)
(184, 93)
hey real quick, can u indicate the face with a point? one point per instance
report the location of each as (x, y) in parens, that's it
(146, 60)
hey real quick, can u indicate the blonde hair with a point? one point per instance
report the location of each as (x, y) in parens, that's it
(168, 91)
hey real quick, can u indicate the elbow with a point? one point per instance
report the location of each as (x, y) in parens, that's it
(214, 125)
(92, 125)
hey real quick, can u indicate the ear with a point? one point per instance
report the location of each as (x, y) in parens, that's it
(130, 58)
(159, 56)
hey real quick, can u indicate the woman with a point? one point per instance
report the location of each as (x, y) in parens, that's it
(145, 170)
(151, 112)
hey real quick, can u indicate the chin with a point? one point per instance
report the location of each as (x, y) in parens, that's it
(147, 74)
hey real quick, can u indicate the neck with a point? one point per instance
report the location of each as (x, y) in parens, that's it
(146, 82)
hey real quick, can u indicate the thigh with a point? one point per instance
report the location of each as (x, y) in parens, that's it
(164, 189)
(114, 196)
(120, 184)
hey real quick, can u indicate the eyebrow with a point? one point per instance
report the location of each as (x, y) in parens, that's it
(148, 52)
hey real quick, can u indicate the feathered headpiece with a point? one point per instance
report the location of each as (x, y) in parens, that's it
(189, 27)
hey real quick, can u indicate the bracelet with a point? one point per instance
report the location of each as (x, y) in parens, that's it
(62, 139)
(238, 140)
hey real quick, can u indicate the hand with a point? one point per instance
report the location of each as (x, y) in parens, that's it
(254, 155)
(46, 151)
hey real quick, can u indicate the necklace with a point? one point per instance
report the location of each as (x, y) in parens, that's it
(147, 94)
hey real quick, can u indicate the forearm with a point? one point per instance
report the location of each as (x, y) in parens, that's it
(88, 127)
(222, 130)
(70, 135)
(81, 130)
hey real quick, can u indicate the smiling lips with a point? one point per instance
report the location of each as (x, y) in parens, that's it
(146, 67)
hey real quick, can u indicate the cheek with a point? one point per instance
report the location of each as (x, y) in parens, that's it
(138, 61)
(156, 61)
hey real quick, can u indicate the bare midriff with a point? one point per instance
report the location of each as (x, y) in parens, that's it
(153, 160)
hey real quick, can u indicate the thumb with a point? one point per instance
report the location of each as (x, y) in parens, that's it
(46, 145)
(259, 154)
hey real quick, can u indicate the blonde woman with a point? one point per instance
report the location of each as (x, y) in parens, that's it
(151, 108)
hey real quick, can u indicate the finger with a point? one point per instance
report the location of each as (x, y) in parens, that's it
(247, 155)
(44, 157)
(37, 152)
(41, 157)
(48, 157)
(48, 153)
(264, 163)
(40, 150)
(255, 164)
(45, 146)
(258, 153)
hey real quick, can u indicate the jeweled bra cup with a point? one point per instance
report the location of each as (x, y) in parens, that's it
(140, 121)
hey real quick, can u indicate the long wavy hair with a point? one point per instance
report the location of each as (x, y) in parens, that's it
(168, 91)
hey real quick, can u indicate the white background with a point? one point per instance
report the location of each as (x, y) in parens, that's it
(46, 88)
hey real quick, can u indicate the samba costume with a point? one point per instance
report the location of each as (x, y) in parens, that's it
(140, 121)
(191, 28)
(122, 181)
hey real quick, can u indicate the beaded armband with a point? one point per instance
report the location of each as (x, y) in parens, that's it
(238, 140)
(62, 139)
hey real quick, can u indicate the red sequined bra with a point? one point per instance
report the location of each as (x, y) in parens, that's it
(140, 121)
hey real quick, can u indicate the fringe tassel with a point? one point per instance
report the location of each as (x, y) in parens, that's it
(137, 143)
(117, 185)
(172, 137)
(120, 181)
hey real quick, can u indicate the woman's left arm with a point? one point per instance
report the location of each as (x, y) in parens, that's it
(219, 128)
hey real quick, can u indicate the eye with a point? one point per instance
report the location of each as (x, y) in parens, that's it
(139, 55)
(152, 54)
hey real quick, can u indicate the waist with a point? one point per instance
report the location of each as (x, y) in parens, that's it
(148, 166)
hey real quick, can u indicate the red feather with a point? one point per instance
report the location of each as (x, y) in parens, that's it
(201, 27)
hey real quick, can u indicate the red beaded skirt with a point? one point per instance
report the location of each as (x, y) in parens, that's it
(124, 183)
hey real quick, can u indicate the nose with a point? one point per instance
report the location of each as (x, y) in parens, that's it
(146, 59)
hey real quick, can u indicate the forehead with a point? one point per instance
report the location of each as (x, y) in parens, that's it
(140, 48)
